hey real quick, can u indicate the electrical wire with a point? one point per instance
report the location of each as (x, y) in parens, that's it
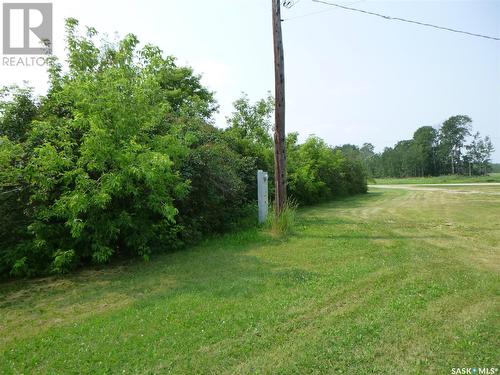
(406, 20)
(318, 12)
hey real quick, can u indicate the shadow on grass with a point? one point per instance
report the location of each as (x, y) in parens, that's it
(216, 268)
(219, 266)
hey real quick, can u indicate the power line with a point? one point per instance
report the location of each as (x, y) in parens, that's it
(318, 12)
(307, 14)
(405, 20)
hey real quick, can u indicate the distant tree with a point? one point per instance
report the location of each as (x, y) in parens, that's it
(388, 164)
(431, 152)
(473, 153)
(406, 158)
(451, 139)
(478, 156)
(495, 167)
(486, 149)
(424, 143)
(367, 152)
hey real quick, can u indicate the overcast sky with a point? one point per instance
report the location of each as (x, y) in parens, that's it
(350, 77)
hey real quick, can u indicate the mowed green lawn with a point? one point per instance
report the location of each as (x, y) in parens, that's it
(392, 282)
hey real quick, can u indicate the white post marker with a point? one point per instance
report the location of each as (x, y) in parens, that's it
(262, 194)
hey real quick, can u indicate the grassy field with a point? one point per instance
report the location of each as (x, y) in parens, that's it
(392, 282)
(452, 179)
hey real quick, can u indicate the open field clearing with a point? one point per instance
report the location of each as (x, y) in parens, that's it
(397, 281)
(492, 177)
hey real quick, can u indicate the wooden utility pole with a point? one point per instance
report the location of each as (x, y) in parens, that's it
(279, 112)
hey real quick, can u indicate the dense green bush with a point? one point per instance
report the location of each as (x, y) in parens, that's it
(219, 180)
(120, 158)
(17, 109)
(101, 170)
(319, 173)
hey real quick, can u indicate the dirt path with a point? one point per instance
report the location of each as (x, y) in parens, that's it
(442, 187)
(405, 186)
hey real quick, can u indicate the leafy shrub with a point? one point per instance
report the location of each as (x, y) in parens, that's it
(63, 261)
(318, 173)
(120, 158)
(216, 196)
(102, 171)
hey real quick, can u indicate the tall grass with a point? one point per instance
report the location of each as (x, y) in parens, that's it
(282, 224)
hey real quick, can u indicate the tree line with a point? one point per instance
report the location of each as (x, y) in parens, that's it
(120, 158)
(452, 148)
